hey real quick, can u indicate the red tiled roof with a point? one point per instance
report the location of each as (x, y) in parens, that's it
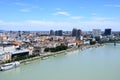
(16, 43)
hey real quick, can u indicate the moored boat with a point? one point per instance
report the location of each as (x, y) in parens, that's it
(43, 58)
(9, 66)
(27, 63)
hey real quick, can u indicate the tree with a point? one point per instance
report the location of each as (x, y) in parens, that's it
(92, 42)
(47, 49)
(53, 49)
(58, 48)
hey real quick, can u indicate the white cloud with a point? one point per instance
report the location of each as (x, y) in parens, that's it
(62, 13)
(94, 14)
(102, 19)
(26, 7)
(25, 10)
(112, 5)
(100, 25)
(21, 4)
(47, 25)
(76, 17)
(68, 15)
(117, 6)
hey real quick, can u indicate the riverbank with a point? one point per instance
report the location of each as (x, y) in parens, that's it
(91, 64)
(83, 47)
(30, 59)
(46, 55)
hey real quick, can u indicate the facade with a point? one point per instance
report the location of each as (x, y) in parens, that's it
(19, 53)
(52, 32)
(71, 44)
(7, 48)
(86, 42)
(39, 49)
(78, 35)
(107, 32)
(74, 32)
(96, 32)
(5, 56)
(13, 54)
(59, 33)
(56, 38)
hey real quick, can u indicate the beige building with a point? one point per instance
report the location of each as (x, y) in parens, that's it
(5, 56)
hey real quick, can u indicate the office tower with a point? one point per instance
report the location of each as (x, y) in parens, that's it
(59, 33)
(107, 32)
(52, 32)
(78, 34)
(74, 32)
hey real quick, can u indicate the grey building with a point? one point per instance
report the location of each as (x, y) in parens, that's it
(74, 32)
(52, 32)
(79, 33)
(59, 33)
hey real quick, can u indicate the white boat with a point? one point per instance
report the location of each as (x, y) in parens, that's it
(9, 66)
(43, 58)
(27, 63)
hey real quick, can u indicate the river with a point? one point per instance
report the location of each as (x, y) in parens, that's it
(102, 63)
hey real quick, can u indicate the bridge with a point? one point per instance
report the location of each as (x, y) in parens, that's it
(116, 42)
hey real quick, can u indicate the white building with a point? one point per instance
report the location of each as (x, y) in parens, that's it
(71, 44)
(86, 41)
(58, 37)
(70, 38)
(8, 48)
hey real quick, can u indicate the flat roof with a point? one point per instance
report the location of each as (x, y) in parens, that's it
(13, 51)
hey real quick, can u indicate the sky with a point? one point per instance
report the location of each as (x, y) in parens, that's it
(44, 15)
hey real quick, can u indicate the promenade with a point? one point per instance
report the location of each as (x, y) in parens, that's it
(47, 54)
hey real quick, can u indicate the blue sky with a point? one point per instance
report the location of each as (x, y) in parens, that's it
(59, 14)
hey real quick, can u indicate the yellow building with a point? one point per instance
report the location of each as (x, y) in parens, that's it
(7, 57)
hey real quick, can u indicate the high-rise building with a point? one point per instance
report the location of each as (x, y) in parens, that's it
(78, 34)
(74, 32)
(52, 32)
(96, 32)
(56, 33)
(59, 33)
(107, 32)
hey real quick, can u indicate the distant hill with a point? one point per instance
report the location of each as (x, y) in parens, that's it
(1, 31)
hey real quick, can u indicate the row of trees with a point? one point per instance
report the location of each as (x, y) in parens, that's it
(24, 57)
(20, 58)
(58, 48)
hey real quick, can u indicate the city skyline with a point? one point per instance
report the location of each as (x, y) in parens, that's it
(44, 15)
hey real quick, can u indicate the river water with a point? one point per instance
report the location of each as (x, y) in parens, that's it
(101, 63)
